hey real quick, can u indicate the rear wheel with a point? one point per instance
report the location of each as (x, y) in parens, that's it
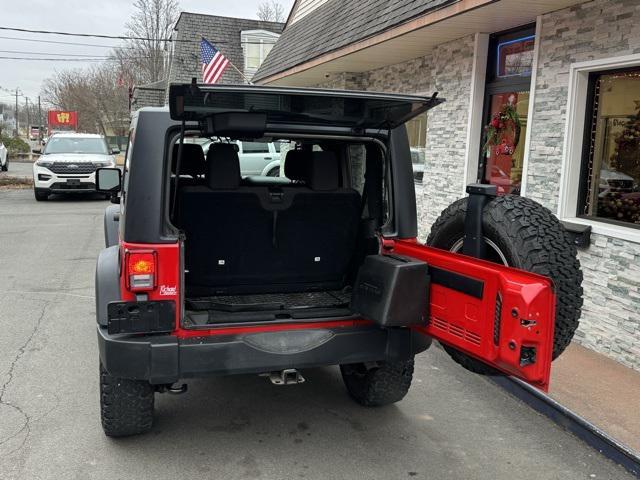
(378, 385)
(41, 195)
(523, 234)
(126, 406)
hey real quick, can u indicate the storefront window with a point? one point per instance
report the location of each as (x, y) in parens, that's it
(611, 169)
(506, 107)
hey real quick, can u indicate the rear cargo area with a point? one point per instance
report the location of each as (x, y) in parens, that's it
(219, 309)
(260, 249)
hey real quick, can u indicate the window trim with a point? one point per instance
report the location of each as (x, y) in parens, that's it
(491, 85)
(572, 158)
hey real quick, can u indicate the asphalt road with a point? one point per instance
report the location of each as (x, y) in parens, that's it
(452, 425)
(20, 169)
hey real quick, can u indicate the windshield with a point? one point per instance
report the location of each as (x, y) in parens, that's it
(76, 145)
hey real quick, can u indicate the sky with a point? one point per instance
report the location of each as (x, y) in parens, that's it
(78, 16)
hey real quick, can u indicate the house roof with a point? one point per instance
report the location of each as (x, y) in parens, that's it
(338, 23)
(222, 32)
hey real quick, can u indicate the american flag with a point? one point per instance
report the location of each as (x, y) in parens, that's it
(214, 63)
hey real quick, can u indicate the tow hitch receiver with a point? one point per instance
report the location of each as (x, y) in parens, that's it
(290, 376)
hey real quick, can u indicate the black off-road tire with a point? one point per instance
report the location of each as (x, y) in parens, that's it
(41, 195)
(126, 406)
(376, 386)
(531, 239)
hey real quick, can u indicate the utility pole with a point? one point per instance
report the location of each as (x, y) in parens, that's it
(39, 121)
(26, 103)
(16, 113)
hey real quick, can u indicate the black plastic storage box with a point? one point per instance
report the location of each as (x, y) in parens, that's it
(392, 291)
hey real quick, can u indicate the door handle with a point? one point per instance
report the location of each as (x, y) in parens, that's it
(268, 158)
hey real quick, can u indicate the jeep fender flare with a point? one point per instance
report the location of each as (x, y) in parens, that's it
(111, 225)
(107, 281)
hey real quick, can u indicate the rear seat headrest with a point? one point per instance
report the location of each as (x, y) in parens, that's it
(192, 162)
(323, 171)
(223, 166)
(296, 164)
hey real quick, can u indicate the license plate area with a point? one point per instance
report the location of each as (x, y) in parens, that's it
(141, 317)
(73, 181)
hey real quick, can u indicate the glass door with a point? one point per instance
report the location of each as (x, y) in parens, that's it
(506, 108)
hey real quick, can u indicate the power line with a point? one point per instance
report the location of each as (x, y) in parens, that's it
(60, 59)
(58, 42)
(116, 37)
(96, 35)
(56, 54)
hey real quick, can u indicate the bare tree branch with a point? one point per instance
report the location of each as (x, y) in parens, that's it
(146, 61)
(271, 11)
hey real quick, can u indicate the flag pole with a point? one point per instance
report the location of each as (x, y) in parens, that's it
(232, 64)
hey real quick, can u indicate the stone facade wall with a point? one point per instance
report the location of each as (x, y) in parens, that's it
(610, 322)
(446, 125)
(588, 31)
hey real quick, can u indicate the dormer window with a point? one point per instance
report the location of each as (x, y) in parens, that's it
(256, 45)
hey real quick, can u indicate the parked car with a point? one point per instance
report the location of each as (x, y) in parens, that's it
(417, 163)
(4, 157)
(68, 164)
(256, 158)
(614, 182)
(208, 273)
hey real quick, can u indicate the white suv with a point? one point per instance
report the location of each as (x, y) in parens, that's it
(68, 164)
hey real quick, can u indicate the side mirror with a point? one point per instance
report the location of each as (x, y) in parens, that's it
(115, 151)
(108, 180)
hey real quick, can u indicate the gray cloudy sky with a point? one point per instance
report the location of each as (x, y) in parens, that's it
(81, 16)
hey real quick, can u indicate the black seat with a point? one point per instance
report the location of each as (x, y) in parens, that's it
(253, 239)
(192, 163)
(319, 230)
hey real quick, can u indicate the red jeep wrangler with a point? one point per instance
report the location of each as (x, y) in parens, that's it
(208, 273)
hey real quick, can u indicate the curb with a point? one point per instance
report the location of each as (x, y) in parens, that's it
(584, 430)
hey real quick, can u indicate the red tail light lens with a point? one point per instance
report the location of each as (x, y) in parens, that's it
(141, 270)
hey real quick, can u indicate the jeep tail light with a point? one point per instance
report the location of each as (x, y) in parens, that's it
(141, 271)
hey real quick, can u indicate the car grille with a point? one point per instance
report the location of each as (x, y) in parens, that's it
(71, 168)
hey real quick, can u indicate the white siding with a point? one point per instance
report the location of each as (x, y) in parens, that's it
(305, 7)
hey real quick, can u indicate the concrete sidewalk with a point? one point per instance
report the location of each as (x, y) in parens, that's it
(601, 391)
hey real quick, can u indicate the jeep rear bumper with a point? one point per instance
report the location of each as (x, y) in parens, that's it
(164, 359)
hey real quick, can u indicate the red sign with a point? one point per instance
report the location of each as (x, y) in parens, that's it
(62, 120)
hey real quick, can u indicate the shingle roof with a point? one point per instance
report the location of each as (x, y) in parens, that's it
(223, 32)
(339, 23)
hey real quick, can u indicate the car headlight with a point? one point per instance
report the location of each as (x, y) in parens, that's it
(44, 163)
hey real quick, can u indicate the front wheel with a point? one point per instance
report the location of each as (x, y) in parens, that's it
(520, 233)
(274, 172)
(5, 167)
(41, 195)
(380, 384)
(126, 406)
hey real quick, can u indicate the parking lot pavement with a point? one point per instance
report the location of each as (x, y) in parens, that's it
(452, 425)
(20, 169)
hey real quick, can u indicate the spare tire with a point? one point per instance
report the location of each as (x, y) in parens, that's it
(523, 234)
